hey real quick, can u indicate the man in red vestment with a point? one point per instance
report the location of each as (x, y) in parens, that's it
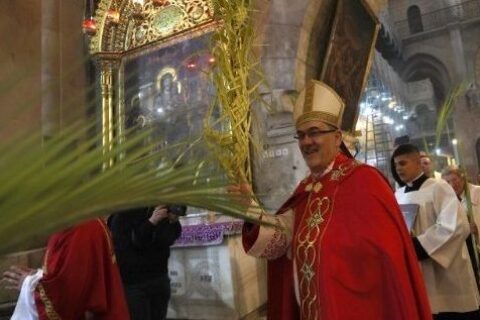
(342, 251)
(79, 280)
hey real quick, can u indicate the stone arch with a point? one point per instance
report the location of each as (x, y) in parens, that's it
(424, 66)
(414, 18)
(293, 39)
(313, 39)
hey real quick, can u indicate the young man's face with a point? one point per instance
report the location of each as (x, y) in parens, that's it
(455, 181)
(408, 166)
(319, 143)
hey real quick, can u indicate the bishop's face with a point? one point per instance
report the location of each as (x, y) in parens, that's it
(319, 144)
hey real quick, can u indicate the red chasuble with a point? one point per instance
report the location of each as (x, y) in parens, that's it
(353, 256)
(80, 274)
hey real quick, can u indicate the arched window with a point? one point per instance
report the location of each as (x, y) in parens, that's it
(414, 19)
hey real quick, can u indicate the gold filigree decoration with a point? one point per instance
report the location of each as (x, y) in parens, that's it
(343, 170)
(315, 220)
(154, 23)
(174, 17)
(307, 271)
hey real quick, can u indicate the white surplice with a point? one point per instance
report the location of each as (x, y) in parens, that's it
(441, 228)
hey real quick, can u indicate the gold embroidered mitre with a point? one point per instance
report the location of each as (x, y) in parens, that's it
(318, 101)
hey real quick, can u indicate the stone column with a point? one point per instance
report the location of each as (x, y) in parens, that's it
(458, 53)
(50, 67)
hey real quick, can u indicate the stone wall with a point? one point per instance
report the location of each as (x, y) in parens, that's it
(30, 72)
(20, 59)
(450, 54)
(398, 9)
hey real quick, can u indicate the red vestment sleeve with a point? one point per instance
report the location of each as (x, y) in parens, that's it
(80, 274)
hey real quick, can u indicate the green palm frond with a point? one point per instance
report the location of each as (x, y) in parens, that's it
(447, 109)
(46, 187)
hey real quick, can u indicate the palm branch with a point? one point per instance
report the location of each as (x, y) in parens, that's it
(50, 186)
(238, 79)
(446, 110)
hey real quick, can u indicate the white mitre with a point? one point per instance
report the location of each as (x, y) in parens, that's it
(318, 101)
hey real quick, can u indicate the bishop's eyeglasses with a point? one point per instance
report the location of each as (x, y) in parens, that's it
(312, 134)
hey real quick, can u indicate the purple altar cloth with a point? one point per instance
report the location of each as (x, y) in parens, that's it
(207, 234)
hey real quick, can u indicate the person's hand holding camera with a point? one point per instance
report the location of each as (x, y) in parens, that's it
(172, 218)
(160, 213)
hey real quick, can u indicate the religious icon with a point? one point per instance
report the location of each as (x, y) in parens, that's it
(169, 90)
(163, 94)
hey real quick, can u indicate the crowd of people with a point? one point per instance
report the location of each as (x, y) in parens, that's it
(339, 248)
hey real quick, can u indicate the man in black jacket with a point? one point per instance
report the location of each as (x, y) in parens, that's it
(142, 238)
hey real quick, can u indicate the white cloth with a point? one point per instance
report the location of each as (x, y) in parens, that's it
(441, 227)
(26, 308)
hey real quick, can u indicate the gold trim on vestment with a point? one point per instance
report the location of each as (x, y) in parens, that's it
(109, 241)
(307, 251)
(49, 309)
